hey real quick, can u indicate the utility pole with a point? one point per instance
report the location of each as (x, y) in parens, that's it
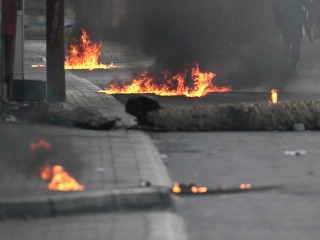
(56, 84)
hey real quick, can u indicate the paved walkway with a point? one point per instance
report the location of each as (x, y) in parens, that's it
(111, 165)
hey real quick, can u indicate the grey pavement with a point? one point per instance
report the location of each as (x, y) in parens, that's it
(112, 166)
(113, 226)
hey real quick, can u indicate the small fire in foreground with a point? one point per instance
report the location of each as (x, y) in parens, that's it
(170, 86)
(58, 179)
(85, 54)
(274, 96)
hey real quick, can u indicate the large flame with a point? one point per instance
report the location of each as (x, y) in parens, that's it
(85, 55)
(174, 86)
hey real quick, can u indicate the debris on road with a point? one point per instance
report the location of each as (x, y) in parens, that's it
(295, 153)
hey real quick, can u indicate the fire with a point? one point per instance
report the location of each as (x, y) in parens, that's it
(59, 179)
(39, 65)
(176, 188)
(274, 96)
(188, 188)
(244, 186)
(196, 189)
(171, 86)
(85, 54)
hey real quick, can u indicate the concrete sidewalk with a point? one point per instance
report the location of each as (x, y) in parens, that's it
(113, 166)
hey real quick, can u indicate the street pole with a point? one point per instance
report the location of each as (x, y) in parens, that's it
(1, 58)
(56, 85)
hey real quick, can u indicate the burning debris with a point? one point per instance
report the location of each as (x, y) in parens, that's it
(188, 188)
(39, 65)
(85, 54)
(171, 85)
(58, 179)
(191, 188)
(238, 117)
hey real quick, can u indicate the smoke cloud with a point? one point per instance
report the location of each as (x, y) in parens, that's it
(178, 33)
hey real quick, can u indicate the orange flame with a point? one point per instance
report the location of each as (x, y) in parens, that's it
(274, 96)
(245, 186)
(176, 188)
(39, 65)
(194, 189)
(59, 179)
(202, 85)
(85, 55)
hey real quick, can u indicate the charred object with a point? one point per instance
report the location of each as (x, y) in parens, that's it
(227, 117)
(140, 106)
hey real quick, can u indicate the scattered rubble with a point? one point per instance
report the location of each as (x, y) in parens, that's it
(62, 114)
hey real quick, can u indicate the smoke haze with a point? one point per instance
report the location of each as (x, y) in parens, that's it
(177, 33)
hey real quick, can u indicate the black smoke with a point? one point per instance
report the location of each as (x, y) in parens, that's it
(178, 33)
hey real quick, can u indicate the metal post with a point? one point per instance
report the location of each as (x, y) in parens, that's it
(1, 58)
(18, 71)
(56, 86)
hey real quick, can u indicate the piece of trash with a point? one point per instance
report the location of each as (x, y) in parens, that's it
(144, 183)
(100, 170)
(11, 119)
(295, 153)
(298, 127)
(164, 156)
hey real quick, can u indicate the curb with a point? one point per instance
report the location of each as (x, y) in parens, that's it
(151, 166)
(167, 226)
(86, 202)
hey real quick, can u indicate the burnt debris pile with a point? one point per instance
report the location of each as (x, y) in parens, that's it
(232, 117)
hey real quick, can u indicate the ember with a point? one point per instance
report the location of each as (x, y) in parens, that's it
(274, 96)
(85, 54)
(40, 65)
(191, 188)
(188, 188)
(170, 86)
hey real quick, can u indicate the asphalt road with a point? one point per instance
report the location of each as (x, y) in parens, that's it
(213, 159)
